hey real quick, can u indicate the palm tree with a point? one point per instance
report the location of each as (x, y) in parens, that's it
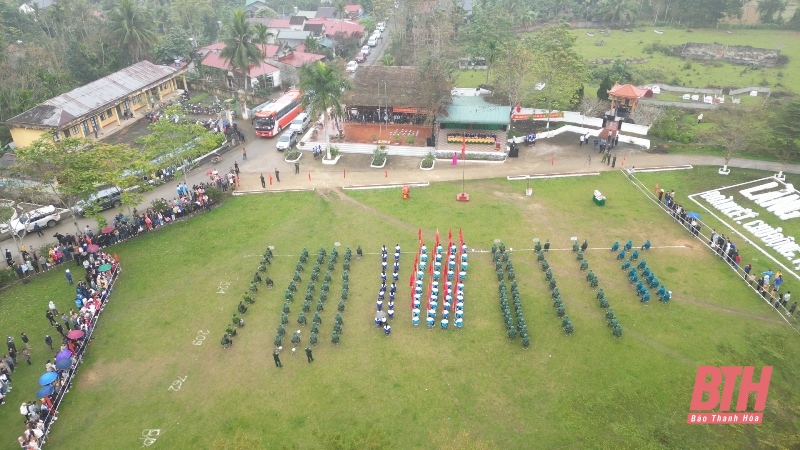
(132, 27)
(263, 34)
(322, 86)
(617, 10)
(241, 49)
(387, 59)
(313, 45)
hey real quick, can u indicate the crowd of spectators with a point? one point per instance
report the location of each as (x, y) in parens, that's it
(41, 410)
(767, 283)
(74, 247)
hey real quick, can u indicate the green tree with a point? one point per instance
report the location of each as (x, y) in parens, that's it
(727, 135)
(241, 45)
(176, 144)
(558, 67)
(74, 168)
(771, 11)
(322, 86)
(132, 27)
(616, 11)
(266, 12)
(487, 33)
(387, 59)
(785, 127)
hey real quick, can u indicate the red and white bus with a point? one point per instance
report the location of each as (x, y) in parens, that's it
(279, 114)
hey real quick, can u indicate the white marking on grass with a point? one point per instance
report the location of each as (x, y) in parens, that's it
(147, 436)
(704, 239)
(551, 175)
(177, 384)
(384, 186)
(663, 168)
(223, 286)
(200, 337)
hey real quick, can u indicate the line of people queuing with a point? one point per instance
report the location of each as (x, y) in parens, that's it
(40, 413)
(768, 283)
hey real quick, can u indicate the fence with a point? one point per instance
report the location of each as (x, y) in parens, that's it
(747, 90)
(686, 89)
(78, 358)
(583, 130)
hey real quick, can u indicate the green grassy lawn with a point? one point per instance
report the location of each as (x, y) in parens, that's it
(621, 45)
(674, 70)
(416, 388)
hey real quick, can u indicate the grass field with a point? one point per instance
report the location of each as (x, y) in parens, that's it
(416, 388)
(621, 45)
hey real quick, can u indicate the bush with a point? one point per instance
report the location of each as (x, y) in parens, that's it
(292, 154)
(7, 276)
(334, 151)
(672, 126)
(427, 163)
(379, 157)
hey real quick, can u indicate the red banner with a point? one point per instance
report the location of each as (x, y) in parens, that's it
(528, 116)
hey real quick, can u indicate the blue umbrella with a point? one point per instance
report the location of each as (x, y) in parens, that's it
(48, 378)
(63, 364)
(44, 392)
(63, 354)
(693, 215)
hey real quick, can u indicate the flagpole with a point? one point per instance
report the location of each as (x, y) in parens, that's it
(463, 196)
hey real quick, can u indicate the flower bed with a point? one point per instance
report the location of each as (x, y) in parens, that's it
(474, 156)
(457, 140)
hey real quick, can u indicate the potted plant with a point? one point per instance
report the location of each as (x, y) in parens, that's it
(293, 155)
(428, 162)
(396, 138)
(410, 139)
(379, 158)
(334, 151)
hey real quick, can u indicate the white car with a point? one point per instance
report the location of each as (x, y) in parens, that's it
(365, 50)
(381, 26)
(372, 42)
(46, 216)
(287, 140)
(351, 67)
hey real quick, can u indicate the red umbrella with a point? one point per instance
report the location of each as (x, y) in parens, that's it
(75, 334)
(107, 229)
(209, 171)
(93, 248)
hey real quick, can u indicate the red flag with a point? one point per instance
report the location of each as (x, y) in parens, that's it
(450, 235)
(419, 234)
(461, 236)
(437, 237)
(116, 257)
(411, 283)
(463, 147)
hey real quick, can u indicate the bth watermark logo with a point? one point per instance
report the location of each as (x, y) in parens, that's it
(708, 381)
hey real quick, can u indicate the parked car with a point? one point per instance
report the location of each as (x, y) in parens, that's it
(381, 26)
(107, 198)
(373, 41)
(351, 67)
(360, 58)
(365, 50)
(300, 123)
(46, 216)
(287, 140)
